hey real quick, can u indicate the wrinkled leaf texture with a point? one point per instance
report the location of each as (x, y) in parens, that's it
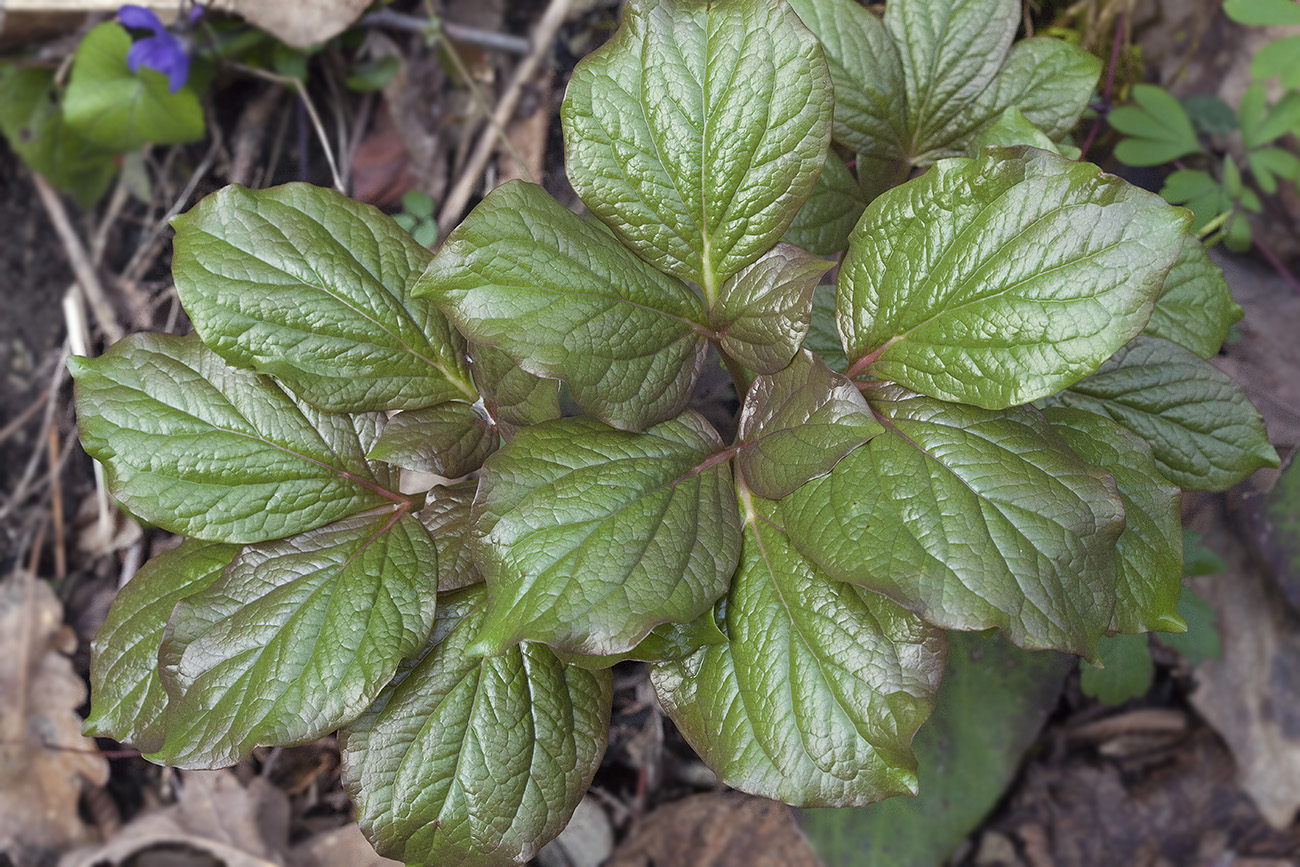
(815, 697)
(998, 280)
(203, 449)
(698, 131)
(565, 299)
(313, 288)
(589, 537)
(471, 761)
(296, 638)
(972, 518)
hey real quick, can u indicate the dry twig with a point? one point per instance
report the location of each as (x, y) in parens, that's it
(82, 266)
(543, 35)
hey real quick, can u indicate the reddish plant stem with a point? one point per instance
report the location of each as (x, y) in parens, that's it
(1278, 265)
(1121, 24)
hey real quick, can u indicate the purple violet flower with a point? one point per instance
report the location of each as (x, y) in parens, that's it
(164, 51)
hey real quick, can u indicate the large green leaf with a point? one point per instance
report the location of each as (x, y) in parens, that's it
(698, 131)
(1011, 128)
(815, 697)
(450, 439)
(1150, 550)
(128, 702)
(1203, 430)
(763, 312)
(998, 280)
(823, 224)
(121, 110)
(309, 286)
(206, 450)
(1048, 80)
(590, 537)
(33, 123)
(867, 71)
(563, 298)
(951, 52)
(666, 642)
(918, 87)
(475, 762)
(993, 701)
(447, 518)
(971, 518)
(511, 395)
(823, 336)
(1195, 308)
(296, 638)
(797, 424)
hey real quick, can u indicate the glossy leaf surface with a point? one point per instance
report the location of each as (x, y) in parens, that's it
(447, 518)
(115, 108)
(823, 335)
(951, 52)
(971, 518)
(763, 311)
(666, 642)
(449, 440)
(590, 537)
(512, 396)
(1002, 279)
(129, 702)
(918, 86)
(823, 224)
(475, 762)
(816, 696)
(866, 68)
(1150, 550)
(315, 289)
(296, 638)
(797, 424)
(1202, 429)
(564, 299)
(201, 448)
(1195, 308)
(698, 131)
(1048, 80)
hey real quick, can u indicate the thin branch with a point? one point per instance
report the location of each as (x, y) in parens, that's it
(87, 279)
(543, 36)
(1121, 24)
(1278, 265)
(300, 89)
(488, 39)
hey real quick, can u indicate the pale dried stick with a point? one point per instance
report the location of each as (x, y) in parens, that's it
(87, 279)
(543, 35)
(300, 89)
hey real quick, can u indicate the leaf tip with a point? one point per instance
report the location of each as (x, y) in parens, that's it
(1169, 623)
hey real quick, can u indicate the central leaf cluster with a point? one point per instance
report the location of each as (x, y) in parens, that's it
(891, 476)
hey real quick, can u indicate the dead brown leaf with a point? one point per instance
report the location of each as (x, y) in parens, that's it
(1078, 809)
(345, 847)
(44, 759)
(300, 23)
(1265, 360)
(213, 814)
(1251, 695)
(234, 824)
(528, 132)
(722, 829)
